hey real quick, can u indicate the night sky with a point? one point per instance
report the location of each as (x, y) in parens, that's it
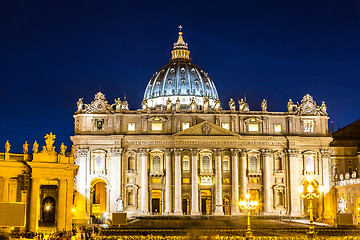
(54, 52)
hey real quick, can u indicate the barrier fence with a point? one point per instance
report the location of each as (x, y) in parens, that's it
(150, 237)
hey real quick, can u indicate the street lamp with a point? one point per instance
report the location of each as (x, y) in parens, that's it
(248, 205)
(310, 189)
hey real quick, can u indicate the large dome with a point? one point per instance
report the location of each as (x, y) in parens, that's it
(182, 79)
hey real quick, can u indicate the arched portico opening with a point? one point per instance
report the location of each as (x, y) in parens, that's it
(48, 210)
(98, 200)
(315, 202)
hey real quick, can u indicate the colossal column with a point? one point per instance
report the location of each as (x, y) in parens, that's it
(218, 183)
(234, 182)
(294, 172)
(116, 173)
(168, 178)
(177, 170)
(243, 177)
(61, 205)
(83, 187)
(194, 183)
(266, 153)
(34, 197)
(143, 154)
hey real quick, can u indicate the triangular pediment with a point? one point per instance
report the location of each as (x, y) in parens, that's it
(206, 128)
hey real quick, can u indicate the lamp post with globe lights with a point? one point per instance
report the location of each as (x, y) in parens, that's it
(310, 190)
(248, 205)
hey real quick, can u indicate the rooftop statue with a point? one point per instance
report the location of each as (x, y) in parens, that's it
(7, 146)
(290, 106)
(193, 105)
(232, 105)
(35, 147)
(49, 141)
(264, 105)
(323, 108)
(144, 104)
(80, 105)
(217, 105)
(242, 105)
(177, 105)
(169, 105)
(26, 147)
(206, 104)
(117, 105)
(62, 149)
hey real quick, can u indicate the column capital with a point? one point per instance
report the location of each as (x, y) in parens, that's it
(235, 151)
(178, 151)
(82, 152)
(194, 152)
(243, 151)
(143, 152)
(116, 151)
(266, 152)
(168, 152)
(217, 151)
(325, 152)
(293, 152)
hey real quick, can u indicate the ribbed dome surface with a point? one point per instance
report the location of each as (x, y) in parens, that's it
(182, 79)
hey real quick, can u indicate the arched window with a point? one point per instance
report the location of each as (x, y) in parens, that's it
(131, 163)
(205, 163)
(226, 163)
(309, 164)
(99, 163)
(278, 163)
(156, 164)
(253, 163)
(186, 163)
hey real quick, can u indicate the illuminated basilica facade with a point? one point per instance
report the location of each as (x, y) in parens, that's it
(182, 154)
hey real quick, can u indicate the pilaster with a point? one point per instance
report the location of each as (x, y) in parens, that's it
(266, 154)
(234, 181)
(243, 172)
(168, 183)
(293, 171)
(218, 183)
(177, 179)
(143, 155)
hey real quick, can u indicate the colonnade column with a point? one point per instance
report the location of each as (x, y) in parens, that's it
(143, 154)
(69, 204)
(266, 153)
(34, 202)
(168, 183)
(294, 171)
(6, 180)
(61, 206)
(243, 177)
(194, 183)
(177, 170)
(218, 183)
(234, 182)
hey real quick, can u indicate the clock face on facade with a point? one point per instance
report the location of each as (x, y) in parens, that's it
(308, 108)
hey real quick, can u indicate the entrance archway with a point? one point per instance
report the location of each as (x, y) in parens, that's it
(98, 197)
(186, 206)
(206, 202)
(156, 201)
(48, 210)
(315, 202)
(226, 206)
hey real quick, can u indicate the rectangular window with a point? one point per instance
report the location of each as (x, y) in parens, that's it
(226, 125)
(185, 125)
(186, 180)
(226, 180)
(99, 125)
(186, 163)
(156, 166)
(308, 126)
(131, 127)
(156, 180)
(156, 126)
(226, 164)
(277, 128)
(253, 127)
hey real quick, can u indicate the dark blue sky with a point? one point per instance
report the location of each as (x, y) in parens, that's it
(54, 52)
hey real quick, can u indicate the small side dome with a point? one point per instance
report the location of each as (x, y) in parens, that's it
(182, 79)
